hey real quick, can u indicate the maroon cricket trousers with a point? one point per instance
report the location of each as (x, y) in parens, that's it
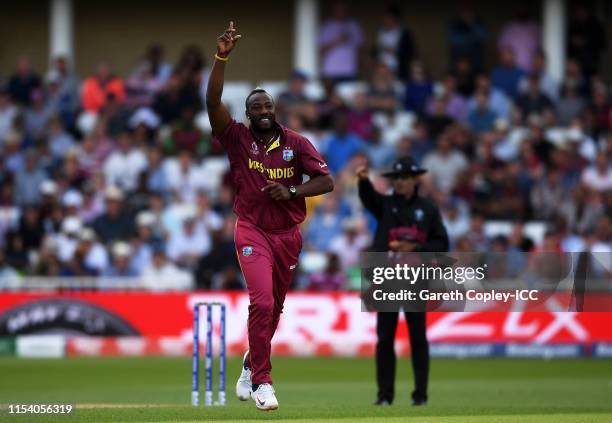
(268, 260)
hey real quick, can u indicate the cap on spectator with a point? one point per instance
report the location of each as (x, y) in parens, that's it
(122, 249)
(72, 225)
(86, 122)
(113, 193)
(298, 74)
(146, 117)
(87, 235)
(72, 198)
(145, 218)
(48, 187)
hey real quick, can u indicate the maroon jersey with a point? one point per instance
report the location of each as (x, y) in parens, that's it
(252, 164)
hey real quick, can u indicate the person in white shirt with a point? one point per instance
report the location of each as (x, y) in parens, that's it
(162, 275)
(186, 246)
(445, 165)
(599, 175)
(184, 176)
(125, 164)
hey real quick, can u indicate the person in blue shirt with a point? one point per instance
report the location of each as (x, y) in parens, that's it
(342, 145)
(507, 75)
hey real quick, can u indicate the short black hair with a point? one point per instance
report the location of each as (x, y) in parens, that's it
(252, 93)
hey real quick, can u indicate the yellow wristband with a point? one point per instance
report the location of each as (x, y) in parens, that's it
(223, 59)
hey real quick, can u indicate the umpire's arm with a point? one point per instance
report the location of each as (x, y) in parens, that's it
(370, 198)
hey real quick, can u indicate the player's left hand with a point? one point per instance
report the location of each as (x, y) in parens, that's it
(277, 191)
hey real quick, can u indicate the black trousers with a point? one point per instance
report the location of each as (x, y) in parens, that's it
(386, 326)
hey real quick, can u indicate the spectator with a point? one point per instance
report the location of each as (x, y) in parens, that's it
(222, 256)
(482, 118)
(498, 102)
(455, 105)
(507, 75)
(63, 90)
(465, 75)
(438, 120)
(395, 45)
(124, 165)
(342, 145)
(31, 228)
(148, 78)
(350, 243)
(292, 100)
(115, 223)
(120, 266)
(598, 176)
(570, 105)
(381, 95)
(444, 165)
(418, 89)
(186, 135)
(331, 279)
(59, 140)
(94, 256)
(8, 113)
(533, 101)
(466, 37)
(193, 72)
(23, 82)
(96, 89)
(28, 181)
(340, 39)
(37, 116)
(163, 275)
(522, 35)
(9, 277)
(184, 176)
(174, 97)
(157, 180)
(547, 84)
(547, 194)
(586, 38)
(326, 223)
(188, 245)
(456, 219)
(359, 117)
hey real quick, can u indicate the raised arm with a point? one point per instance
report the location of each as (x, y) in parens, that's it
(218, 114)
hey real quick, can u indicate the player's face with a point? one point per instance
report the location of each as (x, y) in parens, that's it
(405, 184)
(261, 112)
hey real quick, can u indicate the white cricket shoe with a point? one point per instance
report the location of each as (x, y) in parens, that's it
(264, 397)
(243, 386)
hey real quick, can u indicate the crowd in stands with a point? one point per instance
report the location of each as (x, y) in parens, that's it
(119, 176)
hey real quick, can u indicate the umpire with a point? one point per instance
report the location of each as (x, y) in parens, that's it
(406, 223)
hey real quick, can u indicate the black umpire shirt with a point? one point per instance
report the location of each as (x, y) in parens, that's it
(400, 218)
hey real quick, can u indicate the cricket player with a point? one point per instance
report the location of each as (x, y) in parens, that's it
(267, 162)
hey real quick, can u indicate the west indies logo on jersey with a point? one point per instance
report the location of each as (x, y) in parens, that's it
(287, 154)
(247, 251)
(254, 149)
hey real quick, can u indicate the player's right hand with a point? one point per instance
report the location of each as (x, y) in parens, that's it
(362, 172)
(227, 41)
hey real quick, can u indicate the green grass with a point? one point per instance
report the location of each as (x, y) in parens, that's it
(314, 390)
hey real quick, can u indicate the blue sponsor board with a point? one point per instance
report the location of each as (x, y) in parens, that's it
(602, 350)
(512, 350)
(544, 351)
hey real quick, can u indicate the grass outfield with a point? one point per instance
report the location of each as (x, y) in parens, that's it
(313, 390)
